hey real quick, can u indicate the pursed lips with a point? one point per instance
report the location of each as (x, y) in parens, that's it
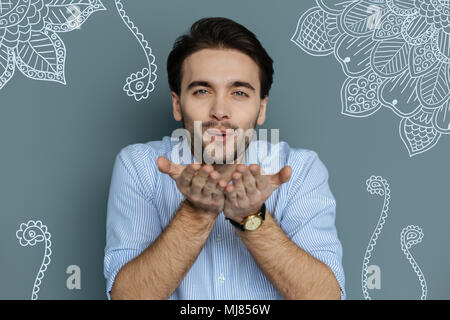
(220, 134)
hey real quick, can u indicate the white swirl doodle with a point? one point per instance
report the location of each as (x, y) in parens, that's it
(412, 235)
(141, 83)
(396, 54)
(29, 39)
(375, 185)
(29, 234)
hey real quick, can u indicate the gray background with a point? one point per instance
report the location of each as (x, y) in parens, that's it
(58, 144)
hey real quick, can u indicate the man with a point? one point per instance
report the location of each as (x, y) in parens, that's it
(207, 227)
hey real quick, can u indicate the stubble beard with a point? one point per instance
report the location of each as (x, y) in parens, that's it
(237, 138)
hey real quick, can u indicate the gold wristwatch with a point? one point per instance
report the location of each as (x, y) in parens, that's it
(251, 222)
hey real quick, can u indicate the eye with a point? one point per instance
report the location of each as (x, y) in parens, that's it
(242, 95)
(203, 90)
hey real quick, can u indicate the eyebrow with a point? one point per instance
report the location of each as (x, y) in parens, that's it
(231, 85)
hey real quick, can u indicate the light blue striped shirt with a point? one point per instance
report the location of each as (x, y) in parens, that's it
(142, 201)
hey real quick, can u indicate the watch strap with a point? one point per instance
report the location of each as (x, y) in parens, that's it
(240, 226)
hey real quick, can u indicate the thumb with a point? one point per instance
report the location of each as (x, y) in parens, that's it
(168, 167)
(281, 177)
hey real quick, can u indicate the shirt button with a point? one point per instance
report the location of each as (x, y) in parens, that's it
(222, 278)
(218, 238)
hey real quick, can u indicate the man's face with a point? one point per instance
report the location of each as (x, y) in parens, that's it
(221, 89)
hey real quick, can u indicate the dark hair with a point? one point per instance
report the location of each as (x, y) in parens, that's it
(218, 33)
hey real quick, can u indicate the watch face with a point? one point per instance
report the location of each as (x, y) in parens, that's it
(253, 223)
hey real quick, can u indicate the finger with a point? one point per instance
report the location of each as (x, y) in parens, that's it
(210, 184)
(189, 172)
(281, 177)
(248, 180)
(221, 184)
(168, 167)
(219, 190)
(230, 194)
(239, 185)
(261, 179)
(199, 180)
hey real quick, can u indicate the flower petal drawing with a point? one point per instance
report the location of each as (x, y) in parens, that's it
(359, 95)
(399, 94)
(7, 65)
(443, 43)
(421, 60)
(441, 118)
(416, 30)
(418, 134)
(331, 7)
(311, 33)
(389, 26)
(402, 7)
(354, 54)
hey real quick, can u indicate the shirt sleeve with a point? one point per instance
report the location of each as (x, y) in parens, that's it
(132, 222)
(309, 216)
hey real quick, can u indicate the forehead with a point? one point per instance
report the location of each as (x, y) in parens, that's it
(220, 66)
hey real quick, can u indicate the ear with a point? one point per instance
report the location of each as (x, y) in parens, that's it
(262, 111)
(176, 107)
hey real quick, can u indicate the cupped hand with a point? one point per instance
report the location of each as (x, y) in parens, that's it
(200, 184)
(250, 189)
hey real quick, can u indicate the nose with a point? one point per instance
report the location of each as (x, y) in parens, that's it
(220, 110)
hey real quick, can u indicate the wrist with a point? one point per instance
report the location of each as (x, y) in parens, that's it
(200, 213)
(243, 215)
(251, 221)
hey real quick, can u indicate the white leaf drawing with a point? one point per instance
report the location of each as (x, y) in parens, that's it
(359, 18)
(433, 87)
(42, 57)
(390, 57)
(67, 15)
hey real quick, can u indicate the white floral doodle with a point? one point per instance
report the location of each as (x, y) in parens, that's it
(29, 234)
(412, 235)
(29, 39)
(141, 83)
(375, 185)
(395, 53)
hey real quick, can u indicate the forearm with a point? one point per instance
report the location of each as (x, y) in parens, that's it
(294, 272)
(158, 270)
